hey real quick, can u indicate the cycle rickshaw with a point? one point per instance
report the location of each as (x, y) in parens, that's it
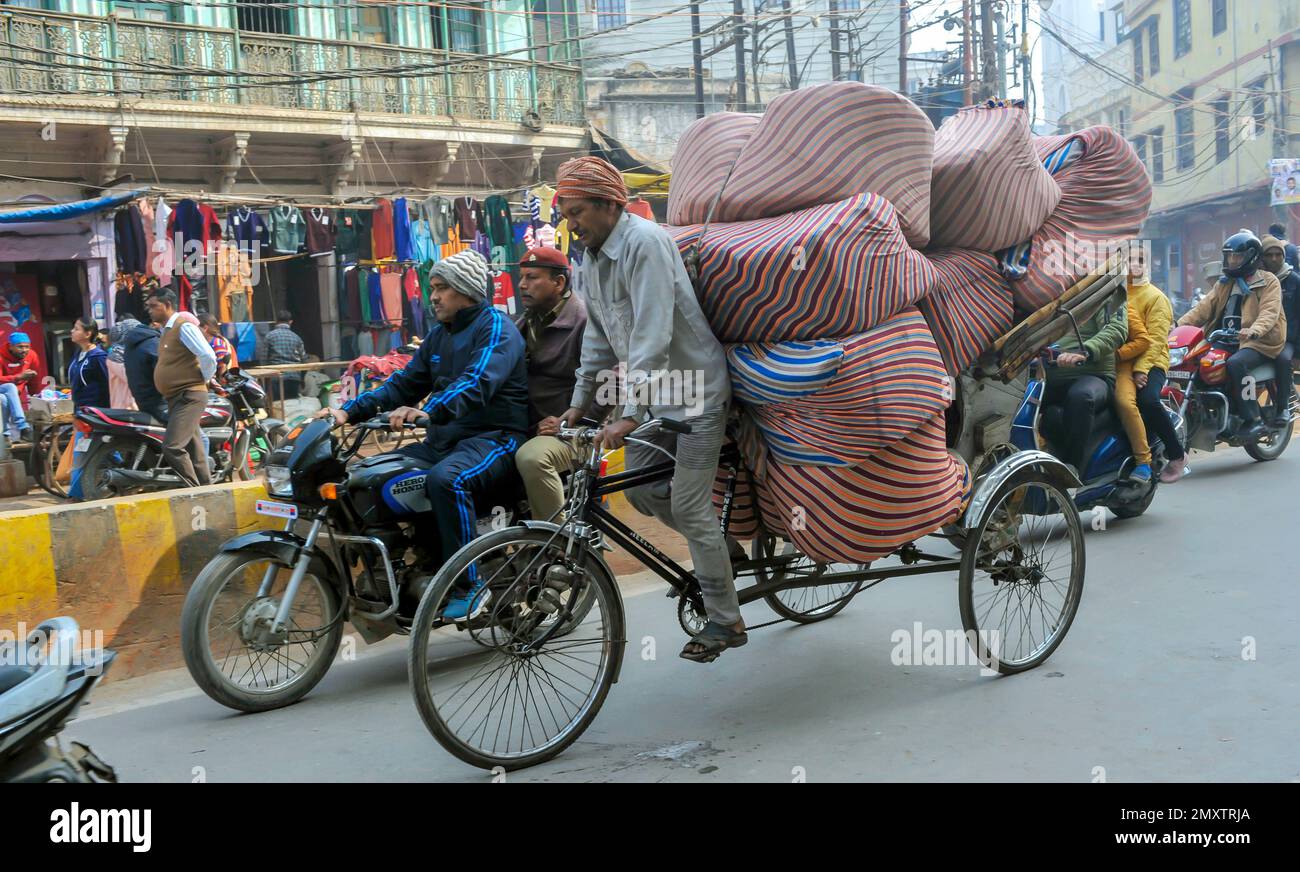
(519, 683)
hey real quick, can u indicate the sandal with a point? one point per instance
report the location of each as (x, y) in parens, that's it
(713, 639)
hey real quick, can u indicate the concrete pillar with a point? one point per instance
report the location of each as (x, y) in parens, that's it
(327, 283)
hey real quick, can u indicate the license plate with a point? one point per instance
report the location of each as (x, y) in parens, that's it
(276, 510)
(1175, 375)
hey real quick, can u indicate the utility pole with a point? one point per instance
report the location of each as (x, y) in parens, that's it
(789, 45)
(738, 14)
(698, 53)
(902, 46)
(988, 52)
(835, 39)
(1024, 54)
(967, 77)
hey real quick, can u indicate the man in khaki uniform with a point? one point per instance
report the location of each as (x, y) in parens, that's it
(186, 363)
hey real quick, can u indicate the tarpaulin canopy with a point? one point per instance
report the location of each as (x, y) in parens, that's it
(64, 211)
(648, 184)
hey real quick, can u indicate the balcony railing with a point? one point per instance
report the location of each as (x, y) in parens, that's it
(54, 54)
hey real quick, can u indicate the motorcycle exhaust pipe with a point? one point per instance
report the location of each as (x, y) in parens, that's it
(149, 479)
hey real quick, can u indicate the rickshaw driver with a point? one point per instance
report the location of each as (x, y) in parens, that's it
(643, 311)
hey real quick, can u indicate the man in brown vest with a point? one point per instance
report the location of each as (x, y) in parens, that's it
(185, 364)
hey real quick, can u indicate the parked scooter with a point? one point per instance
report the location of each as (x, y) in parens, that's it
(1106, 474)
(1197, 393)
(125, 453)
(43, 681)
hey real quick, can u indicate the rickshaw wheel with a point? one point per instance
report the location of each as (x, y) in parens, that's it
(816, 602)
(1021, 576)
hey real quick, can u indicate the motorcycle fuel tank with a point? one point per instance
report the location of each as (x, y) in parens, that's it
(388, 486)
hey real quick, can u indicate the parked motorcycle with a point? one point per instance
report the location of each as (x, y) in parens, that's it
(1197, 392)
(264, 619)
(43, 681)
(1105, 478)
(125, 447)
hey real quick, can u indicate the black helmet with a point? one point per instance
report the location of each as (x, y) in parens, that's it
(1242, 242)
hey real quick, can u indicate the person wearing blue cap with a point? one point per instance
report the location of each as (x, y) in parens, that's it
(18, 366)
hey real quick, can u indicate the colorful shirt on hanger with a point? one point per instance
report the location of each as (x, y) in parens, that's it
(288, 230)
(390, 289)
(402, 230)
(248, 230)
(422, 245)
(234, 285)
(353, 234)
(469, 216)
(439, 213)
(496, 211)
(381, 230)
(320, 232)
(163, 258)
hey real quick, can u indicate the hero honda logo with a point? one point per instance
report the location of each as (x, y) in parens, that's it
(408, 485)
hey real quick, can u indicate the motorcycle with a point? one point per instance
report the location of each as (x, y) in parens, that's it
(1196, 393)
(125, 447)
(1105, 479)
(43, 682)
(264, 618)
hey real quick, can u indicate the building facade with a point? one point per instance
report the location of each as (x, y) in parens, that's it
(639, 59)
(317, 101)
(1205, 90)
(1073, 27)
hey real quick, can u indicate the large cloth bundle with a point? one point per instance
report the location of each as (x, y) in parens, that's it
(835, 403)
(811, 147)
(855, 514)
(1105, 197)
(833, 270)
(990, 190)
(970, 306)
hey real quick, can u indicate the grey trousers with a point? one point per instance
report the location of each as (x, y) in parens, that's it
(183, 445)
(686, 505)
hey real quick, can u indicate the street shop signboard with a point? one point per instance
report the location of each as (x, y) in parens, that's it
(1285, 179)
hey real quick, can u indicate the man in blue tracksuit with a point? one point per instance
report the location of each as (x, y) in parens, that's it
(471, 367)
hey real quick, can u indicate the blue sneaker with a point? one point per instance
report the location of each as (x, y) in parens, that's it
(1141, 473)
(468, 604)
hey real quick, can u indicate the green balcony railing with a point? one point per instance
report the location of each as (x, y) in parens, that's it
(54, 54)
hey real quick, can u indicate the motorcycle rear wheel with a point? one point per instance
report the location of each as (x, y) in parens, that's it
(1272, 448)
(102, 457)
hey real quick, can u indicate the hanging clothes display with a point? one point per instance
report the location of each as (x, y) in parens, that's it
(234, 285)
(162, 259)
(350, 295)
(440, 214)
(545, 196)
(147, 226)
(381, 230)
(248, 230)
(352, 241)
(402, 230)
(129, 241)
(469, 216)
(288, 230)
(423, 247)
(414, 301)
(483, 246)
(496, 211)
(319, 237)
(372, 304)
(390, 289)
(503, 293)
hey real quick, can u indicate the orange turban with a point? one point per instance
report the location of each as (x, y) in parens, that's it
(592, 178)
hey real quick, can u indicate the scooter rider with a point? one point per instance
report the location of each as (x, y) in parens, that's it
(1249, 299)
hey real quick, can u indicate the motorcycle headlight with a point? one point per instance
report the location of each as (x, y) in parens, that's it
(277, 481)
(1176, 356)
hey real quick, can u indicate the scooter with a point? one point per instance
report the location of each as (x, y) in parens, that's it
(44, 679)
(1106, 475)
(1197, 393)
(125, 447)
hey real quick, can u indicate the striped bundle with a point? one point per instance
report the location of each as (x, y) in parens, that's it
(828, 271)
(837, 403)
(811, 147)
(1105, 197)
(990, 189)
(969, 307)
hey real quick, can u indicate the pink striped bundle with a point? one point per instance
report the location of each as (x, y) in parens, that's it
(832, 270)
(990, 189)
(882, 385)
(811, 147)
(857, 514)
(969, 307)
(1105, 197)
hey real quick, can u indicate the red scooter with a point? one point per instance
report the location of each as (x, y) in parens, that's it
(1197, 392)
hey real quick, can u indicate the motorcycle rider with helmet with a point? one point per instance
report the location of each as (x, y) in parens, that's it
(1246, 298)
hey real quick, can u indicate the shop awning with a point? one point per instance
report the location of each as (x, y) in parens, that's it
(64, 211)
(647, 184)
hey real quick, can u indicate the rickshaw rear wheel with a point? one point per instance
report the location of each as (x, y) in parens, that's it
(813, 603)
(1014, 578)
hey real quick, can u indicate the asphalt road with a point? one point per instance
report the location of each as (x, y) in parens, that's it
(1182, 665)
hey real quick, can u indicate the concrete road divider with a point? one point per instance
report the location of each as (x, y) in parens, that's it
(122, 566)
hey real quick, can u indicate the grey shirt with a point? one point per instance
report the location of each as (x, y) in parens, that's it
(642, 312)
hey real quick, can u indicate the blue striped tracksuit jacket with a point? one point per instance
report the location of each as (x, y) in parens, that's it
(474, 375)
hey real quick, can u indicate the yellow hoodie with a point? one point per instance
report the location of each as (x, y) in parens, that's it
(1150, 317)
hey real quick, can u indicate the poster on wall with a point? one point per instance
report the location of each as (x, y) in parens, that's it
(20, 312)
(1285, 177)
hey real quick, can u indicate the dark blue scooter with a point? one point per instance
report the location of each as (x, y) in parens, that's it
(1110, 461)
